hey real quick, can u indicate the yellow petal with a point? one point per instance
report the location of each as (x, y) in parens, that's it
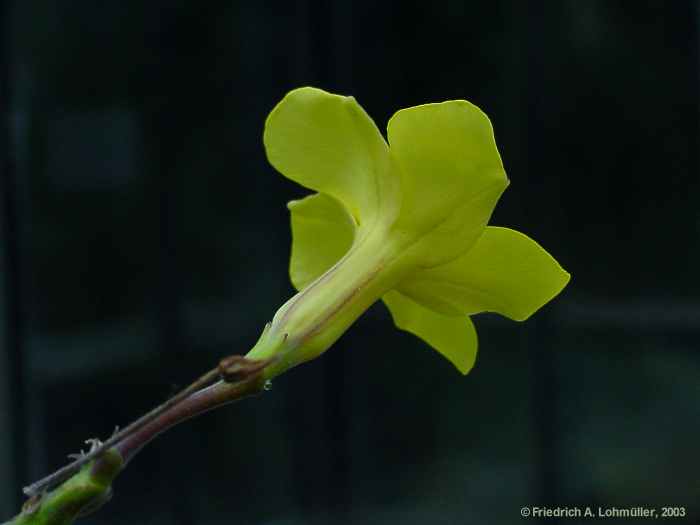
(505, 272)
(322, 232)
(451, 176)
(454, 337)
(328, 143)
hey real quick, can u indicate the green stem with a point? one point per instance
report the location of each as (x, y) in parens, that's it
(86, 491)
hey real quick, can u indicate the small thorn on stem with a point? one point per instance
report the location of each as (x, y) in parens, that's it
(94, 443)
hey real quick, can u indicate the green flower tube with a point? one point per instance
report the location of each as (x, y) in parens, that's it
(404, 222)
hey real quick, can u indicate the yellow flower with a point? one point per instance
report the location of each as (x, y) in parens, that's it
(405, 222)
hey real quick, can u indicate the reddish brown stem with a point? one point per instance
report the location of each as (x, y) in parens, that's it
(207, 399)
(241, 378)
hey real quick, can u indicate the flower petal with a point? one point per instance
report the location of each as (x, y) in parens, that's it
(322, 232)
(454, 337)
(505, 272)
(451, 175)
(328, 143)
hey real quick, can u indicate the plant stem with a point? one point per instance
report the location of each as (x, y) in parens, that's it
(79, 488)
(209, 398)
(66, 472)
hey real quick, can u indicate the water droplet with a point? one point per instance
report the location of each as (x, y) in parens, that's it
(268, 385)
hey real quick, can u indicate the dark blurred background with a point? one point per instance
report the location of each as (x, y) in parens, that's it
(144, 236)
